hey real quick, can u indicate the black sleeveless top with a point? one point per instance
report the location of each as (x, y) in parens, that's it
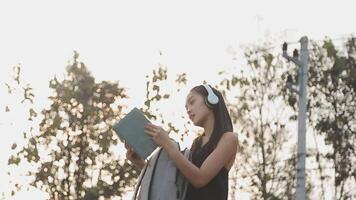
(217, 188)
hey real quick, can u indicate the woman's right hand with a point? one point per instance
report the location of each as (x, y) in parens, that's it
(132, 156)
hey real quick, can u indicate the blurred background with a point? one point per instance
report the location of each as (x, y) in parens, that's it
(71, 69)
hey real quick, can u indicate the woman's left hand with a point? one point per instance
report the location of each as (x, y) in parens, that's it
(158, 135)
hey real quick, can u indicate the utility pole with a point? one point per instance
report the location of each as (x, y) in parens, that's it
(303, 67)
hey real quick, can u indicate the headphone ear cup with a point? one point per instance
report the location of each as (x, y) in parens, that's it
(212, 99)
(207, 103)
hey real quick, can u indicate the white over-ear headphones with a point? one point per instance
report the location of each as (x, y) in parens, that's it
(212, 99)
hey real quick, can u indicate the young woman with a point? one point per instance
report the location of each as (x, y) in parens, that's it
(213, 153)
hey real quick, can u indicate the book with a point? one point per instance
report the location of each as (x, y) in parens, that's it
(131, 129)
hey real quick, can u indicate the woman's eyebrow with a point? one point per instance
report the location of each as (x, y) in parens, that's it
(189, 98)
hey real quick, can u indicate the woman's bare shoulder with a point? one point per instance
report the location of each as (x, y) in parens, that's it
(230, 136)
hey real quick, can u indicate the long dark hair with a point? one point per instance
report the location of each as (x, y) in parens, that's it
(222, 122)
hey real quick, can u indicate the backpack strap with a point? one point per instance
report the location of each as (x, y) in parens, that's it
(142, 174)
(153, 173)
(181, 181)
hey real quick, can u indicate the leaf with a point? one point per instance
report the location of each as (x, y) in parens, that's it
(17, 71)
(158, 97)
(293, 117)
(156, 87)
(148, 103)
(28, 94)
(14, 160)
(13, 146)
(33, 141)
(33, 114)
(9, 89)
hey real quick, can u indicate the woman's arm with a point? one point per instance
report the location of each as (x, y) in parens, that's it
(199, 177)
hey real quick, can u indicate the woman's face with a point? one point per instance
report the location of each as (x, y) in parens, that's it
(196, 108)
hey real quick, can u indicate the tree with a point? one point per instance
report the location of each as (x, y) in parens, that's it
(155, 96)
(259, 112)
(21, 99)
(73, 148)
(332, 109)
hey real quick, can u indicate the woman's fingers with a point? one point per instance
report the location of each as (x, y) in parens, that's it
(131, 154)
(152, 127)
(129, 149)
(152, 130)
(148, 127)
(150, 133)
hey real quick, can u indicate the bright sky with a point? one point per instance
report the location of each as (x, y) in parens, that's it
(122, 40)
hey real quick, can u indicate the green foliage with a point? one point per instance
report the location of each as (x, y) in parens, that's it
(332, 107)
(74, 146)
(75, 137)
(258, 112)
(156, 95)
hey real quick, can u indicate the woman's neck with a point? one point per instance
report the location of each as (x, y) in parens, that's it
(209, 126)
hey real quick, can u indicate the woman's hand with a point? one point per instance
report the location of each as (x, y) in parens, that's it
(158, 135)
(132, 156)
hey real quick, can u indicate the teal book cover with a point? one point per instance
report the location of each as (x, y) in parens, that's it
(131, 129)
